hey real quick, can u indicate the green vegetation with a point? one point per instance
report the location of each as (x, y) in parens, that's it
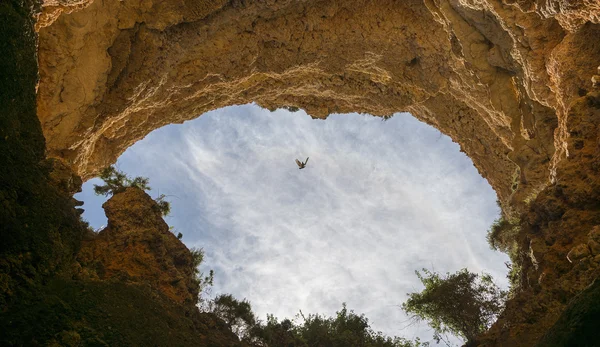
(464, 304)
(503, 236)
(164, 207)
(237, 314)
(203, 282)
(116, 181)
(345, 329)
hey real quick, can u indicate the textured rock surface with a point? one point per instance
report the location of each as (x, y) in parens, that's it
(138, 247)
(509, 80)
(496, 77)
(557, 226)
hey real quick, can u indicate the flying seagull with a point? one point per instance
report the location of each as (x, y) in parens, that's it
(301, 165)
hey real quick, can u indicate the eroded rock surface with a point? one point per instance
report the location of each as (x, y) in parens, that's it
(138, 247)
(496, 77)
(510, 80)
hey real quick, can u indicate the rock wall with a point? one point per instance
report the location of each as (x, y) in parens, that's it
(509, 80)
(496, 77)
(138, 247)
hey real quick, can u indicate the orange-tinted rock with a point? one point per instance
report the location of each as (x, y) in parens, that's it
(510, 80)
(137, 246)
(497, 78)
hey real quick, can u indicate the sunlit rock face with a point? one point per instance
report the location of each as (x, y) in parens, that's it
(509, 80)
(138, 247)
(496, 77)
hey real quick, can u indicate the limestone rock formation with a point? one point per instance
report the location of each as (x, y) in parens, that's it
(138, 247)
(512, 81)
(496, 77)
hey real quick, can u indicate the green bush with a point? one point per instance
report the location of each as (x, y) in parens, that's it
(164, 207)
(116, 181)
(464, 304)
(503, 236)
(346, 328)
(203, 282)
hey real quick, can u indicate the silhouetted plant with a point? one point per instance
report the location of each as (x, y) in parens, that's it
(203, 282)
(116, 181)
(346, 328)
(464, 304)
(163, 205)
(236, 314)
(503, 236)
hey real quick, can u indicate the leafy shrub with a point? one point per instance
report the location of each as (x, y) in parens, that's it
(116, 181)
(464, 304)
(164, 207)
(236, 314)
(203, 282)
(346, 328)
(503, 236)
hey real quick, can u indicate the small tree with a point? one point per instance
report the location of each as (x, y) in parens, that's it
(116, 181)
(237, 314)
(347, 329)
(502, 235)
(464, 304)
(204, 282)
(164, 207)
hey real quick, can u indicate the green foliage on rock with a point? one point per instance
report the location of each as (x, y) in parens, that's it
(237, 314)
(463, 304)
(116, 181)
(204, 282)
(108, 313)
(503, 236)
(164, 207)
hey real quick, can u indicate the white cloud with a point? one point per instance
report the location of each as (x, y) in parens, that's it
(377, 201)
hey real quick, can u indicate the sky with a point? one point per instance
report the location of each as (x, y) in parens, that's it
(376, 201)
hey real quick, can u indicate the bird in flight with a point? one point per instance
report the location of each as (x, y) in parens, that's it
(301, 165)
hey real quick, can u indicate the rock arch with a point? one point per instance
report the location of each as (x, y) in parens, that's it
(509, 80)
(493, 76)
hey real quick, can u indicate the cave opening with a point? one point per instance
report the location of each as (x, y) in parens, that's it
(379, 199)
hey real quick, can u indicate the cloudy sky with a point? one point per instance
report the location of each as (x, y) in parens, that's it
(377, 201)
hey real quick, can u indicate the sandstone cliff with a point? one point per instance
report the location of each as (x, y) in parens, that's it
(45, 297)
(138, 247)
(509, 80)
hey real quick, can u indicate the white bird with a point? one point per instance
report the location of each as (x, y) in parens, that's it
(301, 165)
